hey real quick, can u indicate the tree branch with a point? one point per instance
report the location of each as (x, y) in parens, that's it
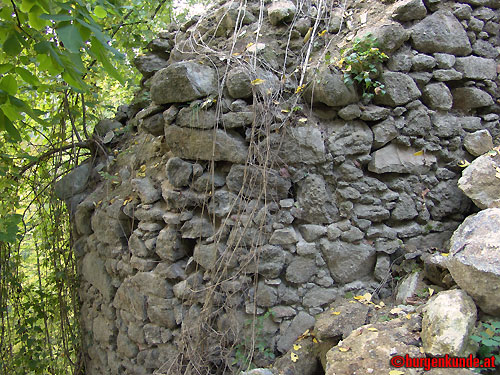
(53, 151)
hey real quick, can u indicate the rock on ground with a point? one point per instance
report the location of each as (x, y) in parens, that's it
(479, 181)
(448, 320)
(474, 261)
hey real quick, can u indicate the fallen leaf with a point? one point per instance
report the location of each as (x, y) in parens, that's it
(257, 81)
(418, 153)
(445, 254)
(315, 340)
(335, 312)
(408, 316)
(431, 292)
(249, 45)
(422, 350)
(285, 111)
(303, 120)
(373, 329)
(342, 349)
(297, 346)
(396, 310)
(396, 372)
(322, 33)
(294, 357)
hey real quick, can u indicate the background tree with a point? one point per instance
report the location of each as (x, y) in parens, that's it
(58, 63)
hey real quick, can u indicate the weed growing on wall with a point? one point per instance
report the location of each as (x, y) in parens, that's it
(360, 64)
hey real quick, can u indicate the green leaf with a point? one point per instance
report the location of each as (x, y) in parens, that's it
(71, 38)
(35, 20)
(100, 54)
(7, 125)
(74, 81)
(26, 5)
(100, 12)
(57, 17)
(27, 76)
(5, 68)
(12, 46)
(10, 112)
(9, 84)
(48, 64)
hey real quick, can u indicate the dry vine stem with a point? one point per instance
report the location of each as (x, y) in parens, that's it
(210, 331)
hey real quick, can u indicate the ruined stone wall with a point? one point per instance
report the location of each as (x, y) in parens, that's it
(246, 177)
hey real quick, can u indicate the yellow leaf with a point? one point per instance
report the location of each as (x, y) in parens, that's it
(308, 35)
(142, 168)
(408, 316)
(381, 303)
(422, 350)
(322, 33)
(418, 153)
(445, 254)
(463, 163)
(352, 301)
(335, 312)
(396, 310)
(299, 88)
(373, 329)
(285, 110)
(396, 372)
(294, 357)
(257, 81)
(315, 340)
(306, 332)
(236, 54)
(367, 296)
(303, 120)
(431, 292)
(249, 45)
(342, 349)
(297, 346)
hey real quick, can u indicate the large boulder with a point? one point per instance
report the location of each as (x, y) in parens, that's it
(281, 12)
(449, 318)
(474, 67)
(314, 200)
(348, 261)
(182, 82)
(400, 89)
(94, 271)
(400, 159)
(197, 144)
(441, 32)
(350, 138)
(467, 98)
(300, 145)
(328, 87)
(408, 10)
(149, 64)
(389, 36)
(362, 351)
(74, 182)
(474, 261)
(480, 183)
(255, 181)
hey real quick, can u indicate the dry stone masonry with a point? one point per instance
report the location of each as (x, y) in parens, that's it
(246, 177)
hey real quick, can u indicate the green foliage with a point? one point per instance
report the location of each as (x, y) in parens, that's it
(58, 63)
(360, 64)
(488, 339)
(254, 344)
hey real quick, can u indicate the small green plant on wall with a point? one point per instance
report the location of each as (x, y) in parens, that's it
(360, 64)
(488, 339)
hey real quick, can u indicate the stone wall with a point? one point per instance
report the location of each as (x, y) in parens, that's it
(231, 189)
